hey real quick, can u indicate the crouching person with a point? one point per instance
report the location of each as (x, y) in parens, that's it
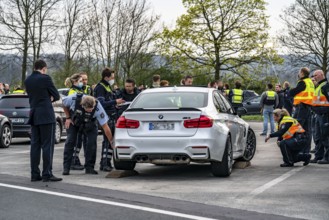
(82, 113)
(291, 139)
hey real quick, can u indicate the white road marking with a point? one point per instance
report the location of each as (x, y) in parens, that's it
(146, 209)
(270, 184)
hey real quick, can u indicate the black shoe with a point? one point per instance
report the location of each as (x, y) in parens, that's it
(66, 172)
(262, 134)
(35, 179)
(77, 167)
(51, 179)
(286, 165)
(106, 168)
(90, 171)
(308, 160)
(323, 161)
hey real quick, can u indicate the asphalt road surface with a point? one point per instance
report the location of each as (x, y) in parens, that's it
(261, 191)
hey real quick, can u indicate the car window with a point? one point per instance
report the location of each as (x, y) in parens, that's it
(255, 99)
(227, 104)
(9, 103)
(220, 106)
(171, 100)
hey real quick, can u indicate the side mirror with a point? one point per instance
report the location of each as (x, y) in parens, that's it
(248, 103)
(241, 111)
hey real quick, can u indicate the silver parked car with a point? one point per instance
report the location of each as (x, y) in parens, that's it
(180, 125)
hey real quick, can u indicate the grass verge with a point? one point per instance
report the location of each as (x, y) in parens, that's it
(252, 117)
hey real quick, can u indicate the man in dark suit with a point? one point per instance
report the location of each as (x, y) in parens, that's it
(42, 92)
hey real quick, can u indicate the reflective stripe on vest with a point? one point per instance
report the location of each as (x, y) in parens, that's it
(305, 96)
(74, 91)
(106, 87)
(318, 98)
(87, 90)
(237, 96)
(294, 128)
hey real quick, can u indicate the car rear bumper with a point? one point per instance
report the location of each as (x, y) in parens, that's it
(203, 147)
(21, 131)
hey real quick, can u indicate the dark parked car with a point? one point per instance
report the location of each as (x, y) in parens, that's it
(252, 105)
(6, 131)
(249, 94)
(17, 108)
(63, 91)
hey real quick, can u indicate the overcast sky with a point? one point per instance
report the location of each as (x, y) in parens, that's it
(171, 9)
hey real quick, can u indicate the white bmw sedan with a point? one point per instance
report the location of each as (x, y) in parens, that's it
(180, 125)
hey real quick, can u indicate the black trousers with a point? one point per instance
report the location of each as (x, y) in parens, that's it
(107, 150)
(292, 149)
(322, 149)
(81, 141)
(43, 138)
(91, 145)
(303, 115)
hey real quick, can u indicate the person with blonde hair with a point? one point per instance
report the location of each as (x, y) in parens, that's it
(76, 84)
(82, 114)
(291, 139)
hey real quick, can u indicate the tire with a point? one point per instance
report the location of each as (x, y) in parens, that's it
(224, 168)
(58, 133)
(124, 165)
(6, 136)
(250, 150)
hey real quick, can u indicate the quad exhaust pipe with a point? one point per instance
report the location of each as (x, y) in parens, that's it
(142, 158)
(177, 159)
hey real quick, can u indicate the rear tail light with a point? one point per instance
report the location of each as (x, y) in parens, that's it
(202, 122)
(122, 122)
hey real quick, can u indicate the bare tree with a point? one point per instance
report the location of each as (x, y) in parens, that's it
(306, 33)
(75, 31)
(43, 26)
(15, 19)
(138, 32)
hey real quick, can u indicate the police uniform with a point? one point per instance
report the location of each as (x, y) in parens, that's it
(86, 123)
(81, 139)
(88, 90)
(74, 89)
(292, 138)
(321, 110)
(103, 93)
(236, 98)
(19, 91)
(303, 100)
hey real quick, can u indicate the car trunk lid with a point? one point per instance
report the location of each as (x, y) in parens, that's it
(162, 122)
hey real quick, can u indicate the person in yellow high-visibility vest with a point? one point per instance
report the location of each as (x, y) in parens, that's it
(268, 100)
(236, 96)
(321, 110)
(18, 90)
(303, 96)
(86, 88)
(291, 139)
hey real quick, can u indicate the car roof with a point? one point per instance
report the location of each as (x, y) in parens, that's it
(179, 89)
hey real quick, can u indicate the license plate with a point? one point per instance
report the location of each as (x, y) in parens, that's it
(17, 120)
(161, 126)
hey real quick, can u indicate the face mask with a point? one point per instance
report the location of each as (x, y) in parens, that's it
(80, 85)
(111, 82)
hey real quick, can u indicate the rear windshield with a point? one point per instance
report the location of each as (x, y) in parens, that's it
(171, 100)
(6, 103)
